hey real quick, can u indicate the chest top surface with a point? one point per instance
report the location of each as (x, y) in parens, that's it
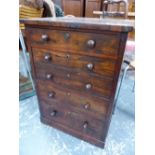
(120, 25)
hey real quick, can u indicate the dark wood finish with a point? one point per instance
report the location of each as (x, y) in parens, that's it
(87, 86)
(73, 7)
(102, 66)
(107, 26)
(77, 42)
(58, 113)
(72, 98)
(85, 8)
(92, 5)
(81, 8)
(76, 64)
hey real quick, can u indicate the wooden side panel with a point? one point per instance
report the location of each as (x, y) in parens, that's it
(92, 5)
(73, 7)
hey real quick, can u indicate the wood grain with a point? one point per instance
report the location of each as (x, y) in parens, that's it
(76, 65)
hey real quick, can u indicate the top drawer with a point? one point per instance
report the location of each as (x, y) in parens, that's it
(79, 42)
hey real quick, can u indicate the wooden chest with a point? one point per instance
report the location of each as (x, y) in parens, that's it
(76, 64)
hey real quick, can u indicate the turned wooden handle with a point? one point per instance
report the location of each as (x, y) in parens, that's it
(86, 106)
(51, 94)
(91, 43)
(47, 57)
(53, 113)
(88, 86)
(44, 37)
(66, 36)
(85, 125)
(49, 76)
(90, 66)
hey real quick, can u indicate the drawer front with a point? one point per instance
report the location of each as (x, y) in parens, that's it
(81, 102)
(76, 42)
(100, 66)
(79, 122)
(100, 87)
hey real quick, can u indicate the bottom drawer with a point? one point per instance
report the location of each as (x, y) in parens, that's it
(80, 123)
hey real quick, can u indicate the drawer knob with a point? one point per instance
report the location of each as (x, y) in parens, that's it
(67, 56)
(49, 76)
(53, 113)
(90, 66)
(66, 36)
(85, 125)
(47, 57)
(68, 75)
(68, 94)
(86, 106)
(51, 94)
(88, 86)
(44, 37)
(91, 43)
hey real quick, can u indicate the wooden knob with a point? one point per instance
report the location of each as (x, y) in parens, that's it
(67, 56)
(91, 43)
(51, 94)
(49, 76)
(47, 57)
(68, 94)
(90, 66)
(44, 37)
(85, 125)
(53, 113)
(68, 75)
(88, 86)
(66, 36)
(86, 106)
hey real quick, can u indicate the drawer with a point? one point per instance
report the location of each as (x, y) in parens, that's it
(79, 122)
(100, 66)
(50, 93)
(77, 80)
(76, 42)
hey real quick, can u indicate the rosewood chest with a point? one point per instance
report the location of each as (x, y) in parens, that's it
(76, 64)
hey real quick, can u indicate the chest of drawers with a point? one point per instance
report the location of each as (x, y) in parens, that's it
(75, 65)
